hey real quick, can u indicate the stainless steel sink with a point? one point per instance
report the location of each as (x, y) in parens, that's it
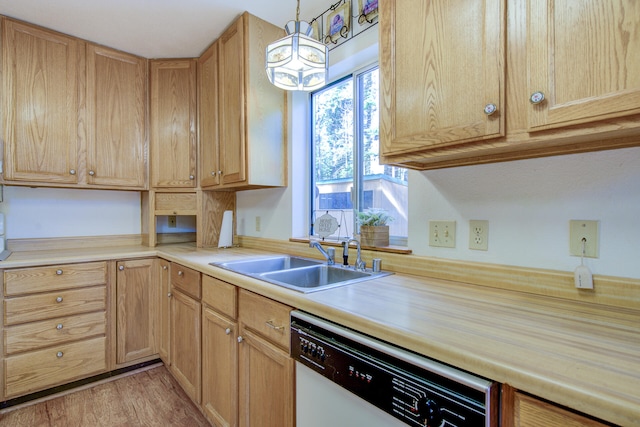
(266, 264)
(301, 274)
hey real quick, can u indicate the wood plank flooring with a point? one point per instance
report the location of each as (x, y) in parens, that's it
(148, 398)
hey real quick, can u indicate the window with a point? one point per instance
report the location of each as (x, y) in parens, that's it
(346, 174)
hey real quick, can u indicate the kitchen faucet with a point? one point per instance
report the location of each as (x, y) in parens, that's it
(330, 256)
(360, 264)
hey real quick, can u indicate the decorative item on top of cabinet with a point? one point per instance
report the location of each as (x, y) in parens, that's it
(116, 118)
(252, 113)
(55, 327)
(135, 295)
(40, 75)
(172, 126)
(550, 48)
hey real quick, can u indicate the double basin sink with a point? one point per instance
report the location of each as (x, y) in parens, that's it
(301, 274)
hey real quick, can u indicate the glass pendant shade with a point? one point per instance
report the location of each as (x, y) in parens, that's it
(297, 61)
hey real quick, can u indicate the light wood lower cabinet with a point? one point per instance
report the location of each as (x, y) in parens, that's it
(185, 349)
(163, 314)
(135, 296)
(55, 326)
(522, 410)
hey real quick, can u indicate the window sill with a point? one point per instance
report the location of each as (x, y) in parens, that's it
(389, 249)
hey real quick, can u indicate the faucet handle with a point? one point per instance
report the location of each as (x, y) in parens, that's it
(332, 255)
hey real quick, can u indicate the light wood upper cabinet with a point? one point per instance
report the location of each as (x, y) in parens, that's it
(208, 117)
(251, 112)
(173, 123)
(585, 57)
(40, 103)
(116, 118)
(441, 63)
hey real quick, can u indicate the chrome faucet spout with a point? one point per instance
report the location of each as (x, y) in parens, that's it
(360, 265)
(329, 254)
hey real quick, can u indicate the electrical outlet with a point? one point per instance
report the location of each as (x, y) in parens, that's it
(442, 234)
(257, 223)
(582, 229)
(479, 234)
(171, 221)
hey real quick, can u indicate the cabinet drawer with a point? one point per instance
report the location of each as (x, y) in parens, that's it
(53, 277)
(47, 333)
(176, 203)
(221, 296)
(46, 368)
(186, 279)
(266, 317)
(54, 304)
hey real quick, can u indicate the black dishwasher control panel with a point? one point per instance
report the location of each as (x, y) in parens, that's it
(416, 390)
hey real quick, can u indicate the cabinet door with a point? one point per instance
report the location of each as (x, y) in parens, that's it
(266, 383)
(164, 311)
(585, 57)
(116, 118)
(208, 116)
(40, 90)
(185, 343)
(173, 123)
(231, 100)
(135, 320)
(441, 63)
(219, 368)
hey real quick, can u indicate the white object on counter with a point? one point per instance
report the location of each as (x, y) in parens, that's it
(226, 230)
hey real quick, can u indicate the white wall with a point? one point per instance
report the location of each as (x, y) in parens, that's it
(47, 212)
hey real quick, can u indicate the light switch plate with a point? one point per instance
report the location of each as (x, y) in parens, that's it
(442, 234)
(583, 229)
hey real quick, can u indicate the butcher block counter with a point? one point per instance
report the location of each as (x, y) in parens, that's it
(581, 355)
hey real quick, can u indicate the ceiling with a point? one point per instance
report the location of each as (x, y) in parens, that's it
(154, 28)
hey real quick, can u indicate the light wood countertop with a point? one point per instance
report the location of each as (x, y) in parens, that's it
(581, 355)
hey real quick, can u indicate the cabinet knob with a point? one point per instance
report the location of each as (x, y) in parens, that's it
(169, 294)
(220, 173)
(213, 173)
(58, 272)
(191, 177)
(59, 326)
(121, 267)
(59, 354)
(180, 273)
(59, 299)
(92, 173)
(536, 97)
(72, 171)
(164, 267)
(240, 339)
(227, 331)
(490, 109)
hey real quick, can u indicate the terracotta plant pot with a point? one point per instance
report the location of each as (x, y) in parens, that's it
(371, 235)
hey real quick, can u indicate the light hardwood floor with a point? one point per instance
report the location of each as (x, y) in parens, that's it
(148, 398)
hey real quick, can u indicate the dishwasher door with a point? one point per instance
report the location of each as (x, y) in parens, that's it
(322, 403)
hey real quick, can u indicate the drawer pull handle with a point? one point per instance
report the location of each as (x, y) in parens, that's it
(59, 299)
(59, 326)
(59, 272)
(180, 273)
(270, 324)
(240, 339)
(59, 354)
(227, 331)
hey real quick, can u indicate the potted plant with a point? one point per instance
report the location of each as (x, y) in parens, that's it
(374, 230)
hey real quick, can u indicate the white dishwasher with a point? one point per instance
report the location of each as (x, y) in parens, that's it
(347, 379)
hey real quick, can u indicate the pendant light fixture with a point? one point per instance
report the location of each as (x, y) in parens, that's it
(297, 61)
